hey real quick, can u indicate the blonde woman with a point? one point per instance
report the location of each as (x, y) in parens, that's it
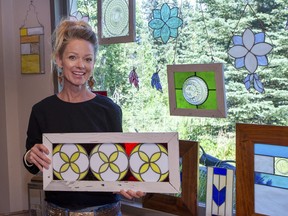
(74, 109)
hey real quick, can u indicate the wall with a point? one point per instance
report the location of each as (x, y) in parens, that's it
(17, 95)
(3, 148)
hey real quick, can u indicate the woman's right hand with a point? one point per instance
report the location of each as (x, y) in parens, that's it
(38, 156)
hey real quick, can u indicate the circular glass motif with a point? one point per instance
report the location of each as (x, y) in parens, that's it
(70, 162)
(116, 17)
(149, 162)
(282, 166)
(108, 162)
(195, 90)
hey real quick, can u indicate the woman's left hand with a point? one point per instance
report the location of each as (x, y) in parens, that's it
(130, 194)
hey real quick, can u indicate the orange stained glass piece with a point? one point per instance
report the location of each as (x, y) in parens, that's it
(30, 39)
(30, 63)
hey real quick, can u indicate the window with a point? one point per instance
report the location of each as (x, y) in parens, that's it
(204, 37)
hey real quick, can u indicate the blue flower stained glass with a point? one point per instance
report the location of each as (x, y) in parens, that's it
(250, 51)
(165, 23)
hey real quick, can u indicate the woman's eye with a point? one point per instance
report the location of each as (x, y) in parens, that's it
(72, 57)
(88, 59)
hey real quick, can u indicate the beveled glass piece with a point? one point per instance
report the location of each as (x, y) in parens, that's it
(195, 90)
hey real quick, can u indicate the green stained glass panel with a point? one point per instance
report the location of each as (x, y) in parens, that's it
(208, 77)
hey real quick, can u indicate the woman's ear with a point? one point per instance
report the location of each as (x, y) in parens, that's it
(59, 61)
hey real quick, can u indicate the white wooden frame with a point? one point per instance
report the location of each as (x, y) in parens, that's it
(171, 138)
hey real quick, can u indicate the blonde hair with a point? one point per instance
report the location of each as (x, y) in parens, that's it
(68, 30)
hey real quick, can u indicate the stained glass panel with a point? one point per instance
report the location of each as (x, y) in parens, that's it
(32, 50)
(116, 21)
(147, 162)
(165, 22)
(250, 51)
(115, 14)
(219, 195)
(197, 90)
(270, 179)
(111, 162)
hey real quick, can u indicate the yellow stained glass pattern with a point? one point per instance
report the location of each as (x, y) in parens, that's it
(32, 50)
(149, 162)
(70, 162)
(108, 162)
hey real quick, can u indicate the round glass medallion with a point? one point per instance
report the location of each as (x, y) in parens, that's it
(195, 90)
(116, 16)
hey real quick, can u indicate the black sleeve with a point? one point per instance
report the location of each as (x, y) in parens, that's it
(34, 135)
(118, 120)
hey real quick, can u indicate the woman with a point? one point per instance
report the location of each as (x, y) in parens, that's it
(74, 109)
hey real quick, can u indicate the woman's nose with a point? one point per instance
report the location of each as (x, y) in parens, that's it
(80, 63)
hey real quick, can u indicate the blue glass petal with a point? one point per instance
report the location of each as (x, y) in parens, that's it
(258, 84)
(259, 37)
(165, 12)
(237, 40)
(251, 76)
(247, 82)
(262, 60)
(174, 22)
(174, 33)
(156, 24)
(157, 33)
(165, 33)
(239, 63)
(174, 12)
(156, 14)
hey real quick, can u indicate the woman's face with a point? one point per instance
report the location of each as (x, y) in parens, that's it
(77, 62)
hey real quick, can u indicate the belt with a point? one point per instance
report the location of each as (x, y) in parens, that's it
(54, 211)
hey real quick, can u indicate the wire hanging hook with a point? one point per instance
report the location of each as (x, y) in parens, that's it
(30, 8)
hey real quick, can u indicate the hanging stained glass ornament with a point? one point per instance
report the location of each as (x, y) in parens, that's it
(77, 15)
(197, 90)
(116, 21)
(133, 78)
(155, 81)
(165, 23)
(219, 191)
(32, 45)
(250, 51)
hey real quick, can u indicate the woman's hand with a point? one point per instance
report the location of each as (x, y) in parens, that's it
(38, 156)
(130, 194)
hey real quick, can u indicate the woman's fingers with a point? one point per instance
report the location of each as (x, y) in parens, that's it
(130, 194)
(38, 156)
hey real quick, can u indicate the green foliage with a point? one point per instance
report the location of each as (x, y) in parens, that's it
(204, 37)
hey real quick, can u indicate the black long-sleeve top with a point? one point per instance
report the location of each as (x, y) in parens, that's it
(53, 115)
